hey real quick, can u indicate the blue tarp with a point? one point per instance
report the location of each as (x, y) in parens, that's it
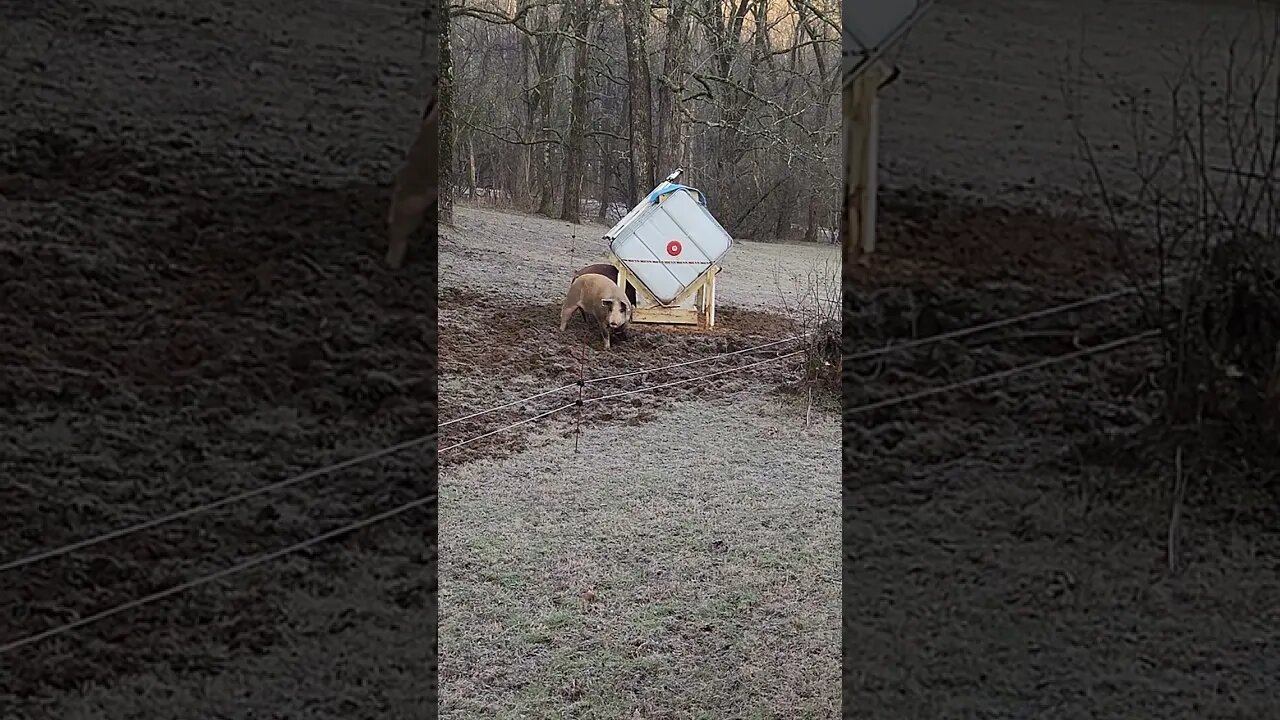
(667, 188)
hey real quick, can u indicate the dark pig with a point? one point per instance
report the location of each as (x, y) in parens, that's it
(610, 272)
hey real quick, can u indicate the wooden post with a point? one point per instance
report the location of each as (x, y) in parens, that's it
(624, 277)
(711, 297)
(861, 107)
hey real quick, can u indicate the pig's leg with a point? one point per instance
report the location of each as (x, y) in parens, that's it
(406, 215)
(416, 186)
(566, 312)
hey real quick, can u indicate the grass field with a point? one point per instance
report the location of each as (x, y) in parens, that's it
(677, 557)
(684, 568)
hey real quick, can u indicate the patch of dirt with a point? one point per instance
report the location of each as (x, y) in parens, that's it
(489, 346)
(934, 239)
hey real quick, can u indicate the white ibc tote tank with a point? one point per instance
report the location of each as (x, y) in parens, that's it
(670, 240)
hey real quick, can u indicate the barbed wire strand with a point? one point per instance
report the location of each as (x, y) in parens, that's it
(311, 474)
(1010, 372)
(876, 352)
(592, 381)
(380, 517)
(866, 354)
(996, 324)
(213, 505)
(1002, 374)
(504, 406)
(505, 428)
(218, 575)
(686, 363)
(361, 459)
(526, 244)
(580, 403)
(683, 381)
(660, 261)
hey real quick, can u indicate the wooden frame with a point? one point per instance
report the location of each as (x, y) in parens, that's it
(861, 150)
(702, 314)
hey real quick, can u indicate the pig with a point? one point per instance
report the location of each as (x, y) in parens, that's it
(610, 272)
(601, 301)
(416, 188)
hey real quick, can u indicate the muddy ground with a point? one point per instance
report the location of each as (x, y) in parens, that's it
(188, 308)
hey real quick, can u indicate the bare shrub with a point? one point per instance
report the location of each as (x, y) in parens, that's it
(813, 309)
(1199, 192)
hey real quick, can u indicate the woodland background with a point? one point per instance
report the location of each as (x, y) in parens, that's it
(574, 109)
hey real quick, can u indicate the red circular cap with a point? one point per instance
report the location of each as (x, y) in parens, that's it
(674, 247)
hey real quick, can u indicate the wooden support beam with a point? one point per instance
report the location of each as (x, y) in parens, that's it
(861, 110)
(668, 315)
(709, 311)
(703, 293)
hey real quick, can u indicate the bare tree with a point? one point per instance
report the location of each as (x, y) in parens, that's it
(575, 148)
(444, 95)
(548, 38)
(1196, 223)
(635, 21)
(738, 93)
(672, 143)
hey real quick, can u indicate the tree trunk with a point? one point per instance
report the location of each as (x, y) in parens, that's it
(635, 18)
(627, 184)
(549, 44)
(524, 179)
(606, 179)
(672, 146)
(445, 100)
(726, 37)
(571, 208)
(782, 225)
(472, 177)
(546, 178)
(811, 221)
